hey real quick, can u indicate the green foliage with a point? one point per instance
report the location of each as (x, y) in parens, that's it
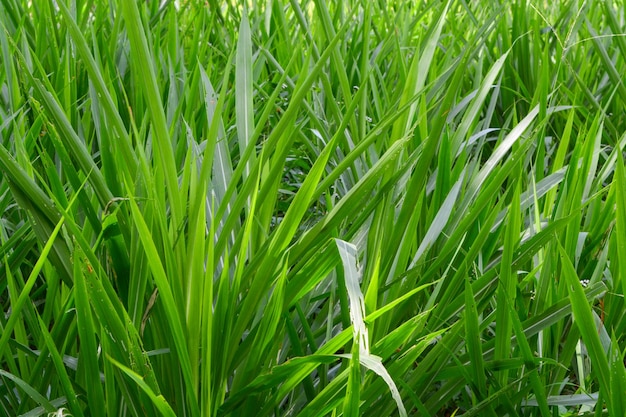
(312, 208)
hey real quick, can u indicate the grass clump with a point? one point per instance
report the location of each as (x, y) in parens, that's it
(311, 209)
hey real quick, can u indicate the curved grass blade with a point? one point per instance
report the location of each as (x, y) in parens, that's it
(348, 253)
(158, 400)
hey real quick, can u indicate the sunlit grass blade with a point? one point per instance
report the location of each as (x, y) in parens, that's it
(150, 88)
(620, 220)
(87, 333)
(348, 254)
(507, 286)
(583, 317)
(24, 296)
(31, 392)
(618, 379)
(158, 400)
(175, 322)
(244, 93)
(64, 379)
(474, 344)
(352, 401)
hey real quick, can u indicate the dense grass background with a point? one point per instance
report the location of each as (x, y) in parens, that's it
(308, 209)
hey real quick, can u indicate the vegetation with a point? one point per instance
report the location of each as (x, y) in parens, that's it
(310, 209)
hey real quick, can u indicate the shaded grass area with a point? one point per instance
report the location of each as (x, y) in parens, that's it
(312, 209)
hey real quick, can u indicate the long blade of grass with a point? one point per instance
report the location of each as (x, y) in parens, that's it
(243, 90)
(158, 400)
(348, 253)
(150, 88)
(175, 322)
(584, 320)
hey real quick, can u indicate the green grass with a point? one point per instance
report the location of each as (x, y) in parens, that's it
(312, 209)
